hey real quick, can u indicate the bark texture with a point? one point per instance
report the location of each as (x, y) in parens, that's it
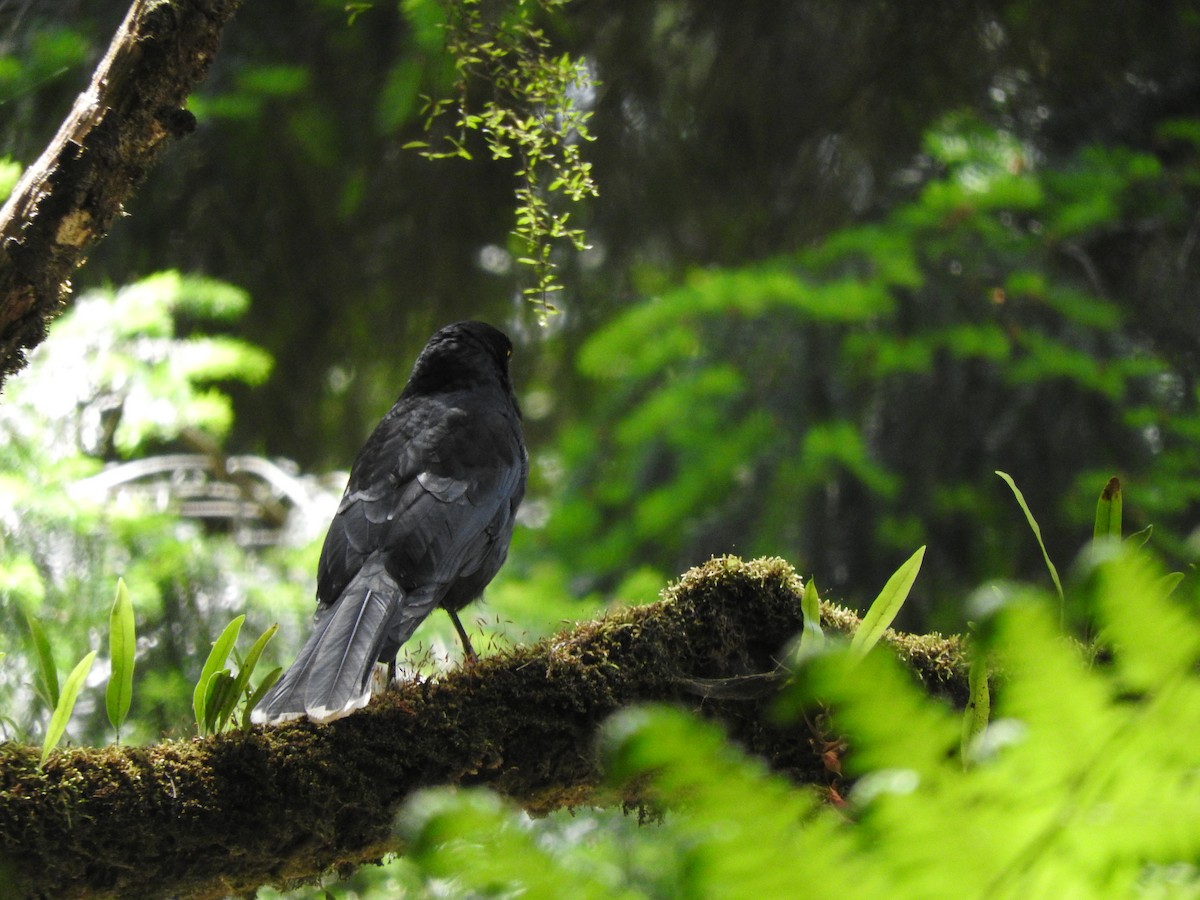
(67, 200)
(223, 815)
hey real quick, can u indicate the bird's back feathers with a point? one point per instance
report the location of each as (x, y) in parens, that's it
(426, 519)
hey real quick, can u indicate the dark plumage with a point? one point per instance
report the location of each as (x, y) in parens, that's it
(425, 521)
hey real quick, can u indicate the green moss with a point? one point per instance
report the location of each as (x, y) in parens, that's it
(205, 818)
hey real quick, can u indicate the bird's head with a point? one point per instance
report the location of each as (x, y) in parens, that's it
(459, 356)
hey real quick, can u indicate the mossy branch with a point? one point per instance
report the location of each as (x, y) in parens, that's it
(223, 815)
(68, 199)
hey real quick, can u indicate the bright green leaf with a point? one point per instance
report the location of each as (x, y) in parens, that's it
(886, 605)
(66, 705)
(1140, 538)
(1168, 583)
(47, 670)
(122, 642)
(219, 700)
(221, 649)
(245, 671)
(812, 638)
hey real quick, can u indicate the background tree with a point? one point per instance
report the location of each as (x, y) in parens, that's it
(66, 200)
(733, 140)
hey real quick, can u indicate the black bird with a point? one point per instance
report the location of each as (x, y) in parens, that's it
(425, 521)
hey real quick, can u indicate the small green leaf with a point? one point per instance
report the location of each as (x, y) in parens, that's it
(47, 671)
(265, 685)
(219, 701)
(812, 638)
(246, 669)
(66, 705)
(1037, 532)
(122, 644)
(215, 663)
(1140, 538)
(228, 695)
(1108, 512)
(886, 605)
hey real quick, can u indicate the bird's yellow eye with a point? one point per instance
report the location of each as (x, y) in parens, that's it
(508, 352)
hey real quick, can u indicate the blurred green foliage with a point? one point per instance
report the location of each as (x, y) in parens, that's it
(124, 373)
(967, 325)
(49, 54)
(127, 369)
(10, 173)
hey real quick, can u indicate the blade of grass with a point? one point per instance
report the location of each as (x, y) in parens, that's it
(1037, 533)
(66, 705)
(122, 643)
(886, 605)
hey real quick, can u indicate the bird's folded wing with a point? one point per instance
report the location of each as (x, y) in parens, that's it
(434, 496)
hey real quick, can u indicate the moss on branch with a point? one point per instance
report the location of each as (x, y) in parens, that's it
(222, 815)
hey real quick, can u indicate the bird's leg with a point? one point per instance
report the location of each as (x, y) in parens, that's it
(472, 657)
(381, 677)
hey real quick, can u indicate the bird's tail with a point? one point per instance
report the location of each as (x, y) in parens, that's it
(331, 676)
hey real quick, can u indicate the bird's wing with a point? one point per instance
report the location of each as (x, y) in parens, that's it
(428, 489)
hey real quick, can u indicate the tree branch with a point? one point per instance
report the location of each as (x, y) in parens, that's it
(206, 818)
(68, 199)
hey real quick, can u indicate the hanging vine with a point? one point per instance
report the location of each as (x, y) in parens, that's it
(536, 112)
